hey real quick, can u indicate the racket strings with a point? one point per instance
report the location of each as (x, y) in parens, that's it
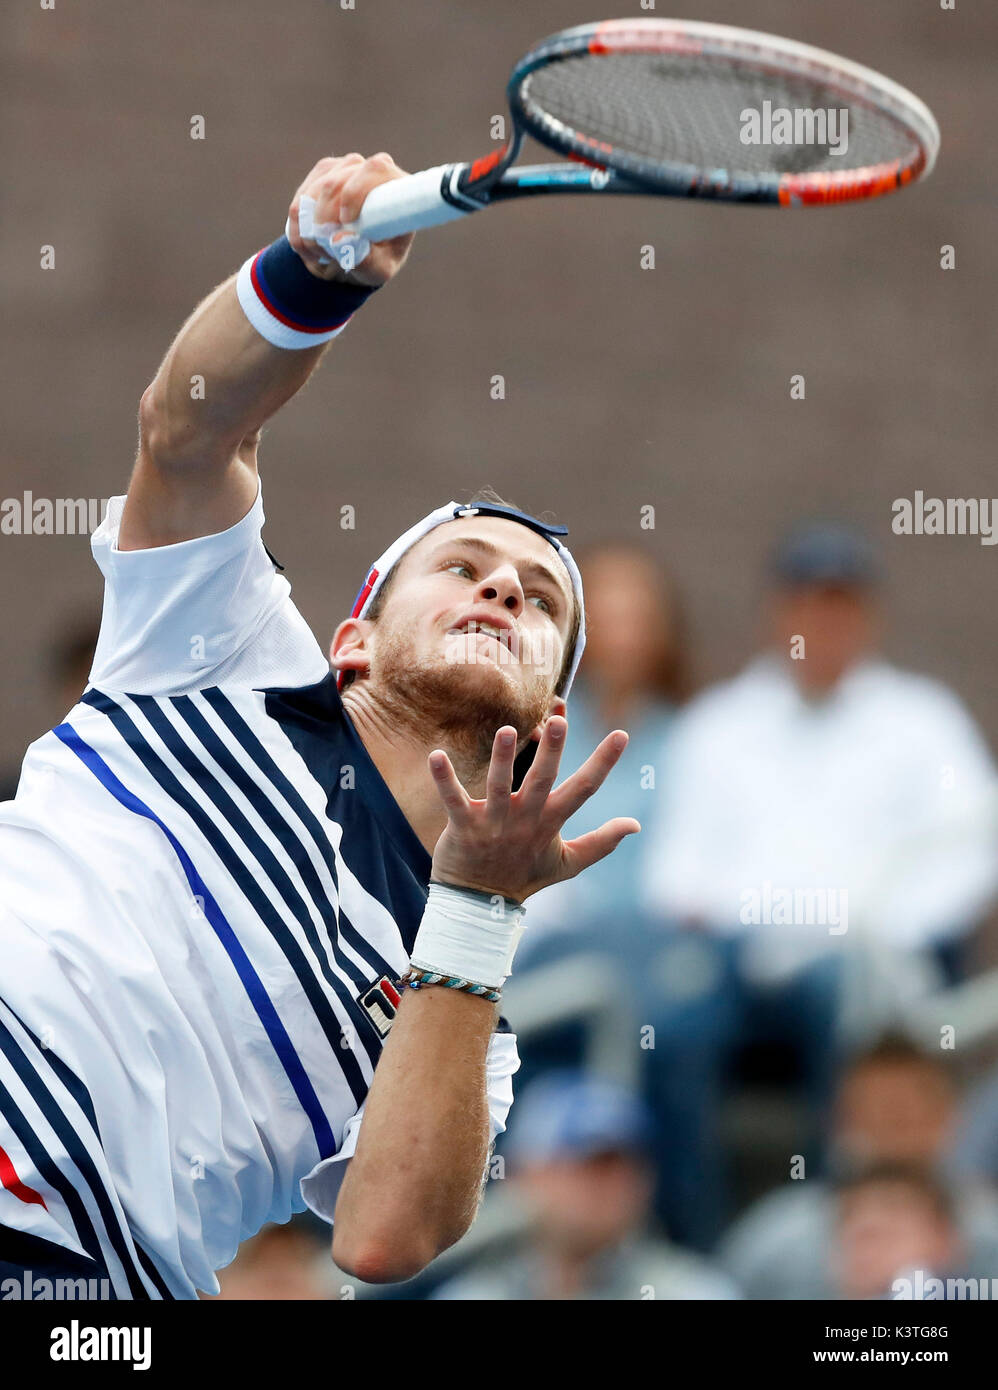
(677, 109)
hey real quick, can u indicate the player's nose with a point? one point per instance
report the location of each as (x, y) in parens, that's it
(502, 585)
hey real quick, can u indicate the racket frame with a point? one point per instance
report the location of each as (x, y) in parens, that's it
(446, 192)
(768, 52)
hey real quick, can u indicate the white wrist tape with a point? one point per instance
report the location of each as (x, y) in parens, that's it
(468, 934)
(349, 251)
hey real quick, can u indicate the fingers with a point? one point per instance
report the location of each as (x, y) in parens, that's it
(576, 790)
(326, 176)
(360, 181)
(308, 250)
(327, 186)
(340, 187)
(543, 770)
(499, 782)
(456, 801)
(590, 848)
(324, 184)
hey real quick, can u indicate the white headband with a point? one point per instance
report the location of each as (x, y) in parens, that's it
(378, 572)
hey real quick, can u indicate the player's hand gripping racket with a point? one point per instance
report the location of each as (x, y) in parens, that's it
(659, 106)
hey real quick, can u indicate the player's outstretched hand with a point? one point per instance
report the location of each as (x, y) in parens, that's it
(510, 842)
(339, 187)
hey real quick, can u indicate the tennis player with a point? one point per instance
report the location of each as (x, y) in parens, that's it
(257, 906)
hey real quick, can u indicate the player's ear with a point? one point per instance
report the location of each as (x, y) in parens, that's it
(350, 649)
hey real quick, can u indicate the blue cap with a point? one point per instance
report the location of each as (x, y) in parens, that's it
(825, 552)
(570, 1114)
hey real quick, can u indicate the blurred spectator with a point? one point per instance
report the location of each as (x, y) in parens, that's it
(896, 1105)
(281, 1262)
(578, 1155)
(893, 1222)
(975, 1152)
(823, 767)
(669, 992)
(821, 801)
(633, 676)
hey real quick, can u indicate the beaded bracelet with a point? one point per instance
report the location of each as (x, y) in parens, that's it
(417, 979)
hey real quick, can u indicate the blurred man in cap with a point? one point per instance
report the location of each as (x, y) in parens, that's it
(822, 767)
(824, 578)
(577, 1155)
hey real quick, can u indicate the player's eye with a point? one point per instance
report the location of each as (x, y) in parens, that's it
(459, 565)
(542, 601)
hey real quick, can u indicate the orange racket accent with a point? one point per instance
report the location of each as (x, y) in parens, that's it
(486, 164)
(810, 189)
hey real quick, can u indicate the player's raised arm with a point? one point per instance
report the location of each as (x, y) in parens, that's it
(254, 342)
(413, 1184)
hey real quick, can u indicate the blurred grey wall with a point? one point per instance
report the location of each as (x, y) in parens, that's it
(624, 386)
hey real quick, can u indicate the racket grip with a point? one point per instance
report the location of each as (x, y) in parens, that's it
(407, 205)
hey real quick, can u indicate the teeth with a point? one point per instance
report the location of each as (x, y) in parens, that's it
(500, 634)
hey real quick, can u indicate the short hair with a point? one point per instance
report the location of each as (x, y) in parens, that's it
(485, 496)
(916, 1177)
(897, 1048)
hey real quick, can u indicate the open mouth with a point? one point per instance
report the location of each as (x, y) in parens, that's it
(504, 637)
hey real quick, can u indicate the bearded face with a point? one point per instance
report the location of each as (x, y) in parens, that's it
(466, 692)
(472, 634)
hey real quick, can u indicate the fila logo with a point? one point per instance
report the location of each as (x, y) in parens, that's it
(380, 1002)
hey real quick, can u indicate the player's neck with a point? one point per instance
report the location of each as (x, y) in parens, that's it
(399, 746)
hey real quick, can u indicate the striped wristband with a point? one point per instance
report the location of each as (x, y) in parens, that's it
(288, 305)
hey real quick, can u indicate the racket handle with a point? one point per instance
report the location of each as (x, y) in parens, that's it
(407, 205)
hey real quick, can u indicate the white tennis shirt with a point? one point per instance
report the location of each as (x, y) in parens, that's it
(206, 888)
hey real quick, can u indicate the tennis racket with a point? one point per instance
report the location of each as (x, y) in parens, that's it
(665, 106)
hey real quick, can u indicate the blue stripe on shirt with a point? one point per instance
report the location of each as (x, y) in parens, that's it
(250, 980)
(234, 862)
(252, 745)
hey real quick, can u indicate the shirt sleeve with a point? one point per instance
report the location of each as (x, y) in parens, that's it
(939, 874)
(178, 618)
(321, 1186)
